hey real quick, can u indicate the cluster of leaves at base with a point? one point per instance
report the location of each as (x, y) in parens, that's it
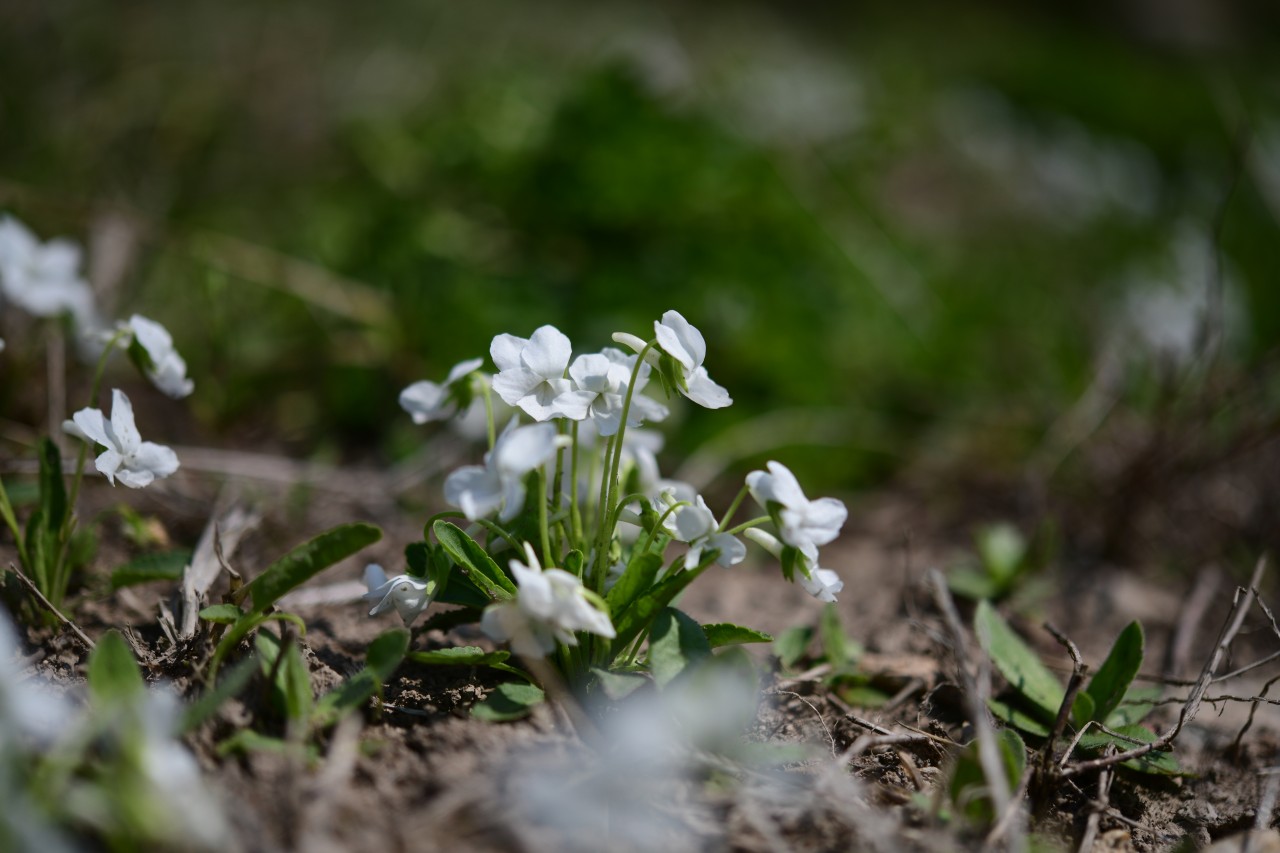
(840, 652)
(639, 604)
(1005, 568)
(279, 658)
(1109, 697)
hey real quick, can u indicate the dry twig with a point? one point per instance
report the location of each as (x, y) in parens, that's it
(34, 590)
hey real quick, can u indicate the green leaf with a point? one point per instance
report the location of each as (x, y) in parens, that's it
(221, 614)
(835, 645)
(383, 657)
(1002, 549)
(638, 577)
(386, 652)
(1136, 704)
(642, 611)
(247, 740)
(510, 700)
(973, 584)
(292, 684)
(460, 656)
(573, 562)
(166, 566)
(675, 642)
(475, 561)
(308, 560)
(969, 786)
(727, 634)
(1157, 762)
(619, 685)
(792, 644)
(228, 687)
(53, 491)
(1016, 662)
(1112, 680)
(113, 674)
(1082, 709)
(1014, 716)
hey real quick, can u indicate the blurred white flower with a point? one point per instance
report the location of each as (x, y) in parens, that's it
(43, 278)
(531, 370)
(821, 583)
(27, 708)
(551, 604)
(407, 594)
(684, 343)
(428, 401)
(136, 462)
(804, 524)
(481, 490)
(162, 364)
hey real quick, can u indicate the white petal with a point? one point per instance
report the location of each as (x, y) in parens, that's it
(731, 548)
(680, 340)
(548, 352)
(515, 384)
(462, 368)
(374, 577)
(475, 490)
(424, 401)
(156, 458)
(541, 403)
(93, 425)
(705, 392)
(505, 351)
(136, 478)
(785, 488)
(574, 405)
(123, 426)
(823, 584)
(108, 463)
(524, 449)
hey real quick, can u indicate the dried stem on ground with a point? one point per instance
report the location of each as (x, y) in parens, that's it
(47, 604)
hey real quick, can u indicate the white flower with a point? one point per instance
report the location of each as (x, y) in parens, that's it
(29, 707)
(805, 524)
(684, 343)
(162, 364)
(136, 462)
(43, 279)
(531, 370)
(696, 525)
(821, 583)
(407, 594)
(480, 490)
(600, 386)
(427, 401)
(551, 604)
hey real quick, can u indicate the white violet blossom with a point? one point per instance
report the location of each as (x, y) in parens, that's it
(697, 526)
(684, 343)
(804, 524)
(531, 370)
(551, 604)
(136, 462)
(429, 401)
(407, 594)
(600, 383)
(822, 584)
(43, 278)
(163, 366)
(481, 490)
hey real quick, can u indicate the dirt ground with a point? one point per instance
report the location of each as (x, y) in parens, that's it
(417, 772)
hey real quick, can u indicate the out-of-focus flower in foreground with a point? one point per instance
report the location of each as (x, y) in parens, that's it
(43, 279)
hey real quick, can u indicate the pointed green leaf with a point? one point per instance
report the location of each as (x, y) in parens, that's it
(460, 656)
(838, 649)
(166, 566)
(1109, 683)
(113, 674)
(1002, 549)
(1136, 704)
(727, 634)
(1082, 709)
(475, 561)
(308, 560)
(53, 491)
(292, 684)
(619, 685)
(675, 643)
(972, 584)
(381, 661)
(1014, 716)
(228, 687)
(221, 614)
(1016, 662)
(386, 652)
(508, 701)
(638, 577)
(641, 613)
(792, 644)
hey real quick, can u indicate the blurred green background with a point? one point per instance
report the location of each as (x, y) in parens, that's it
(934, 236)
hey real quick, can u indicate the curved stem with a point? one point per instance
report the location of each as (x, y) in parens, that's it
(543, 529)
(733, 507)
(575, 515)
(755, 522)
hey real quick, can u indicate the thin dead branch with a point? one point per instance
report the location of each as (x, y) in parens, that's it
(34, 590)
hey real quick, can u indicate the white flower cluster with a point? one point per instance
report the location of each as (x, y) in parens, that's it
(595, 405)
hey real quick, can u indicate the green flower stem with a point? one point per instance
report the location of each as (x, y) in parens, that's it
(601, 514)
(493, 527)
(487, 393)
(575, 515)
(544, 531)
(755, 522)
(733, 507)
(610, 486)
(653, 534)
